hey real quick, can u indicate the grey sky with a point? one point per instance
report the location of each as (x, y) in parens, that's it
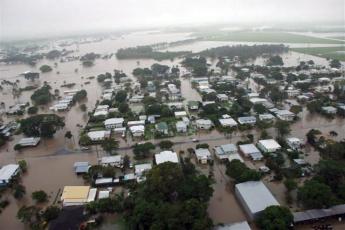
(34, 18)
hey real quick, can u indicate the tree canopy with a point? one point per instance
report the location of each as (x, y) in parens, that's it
(275, 218)
(42, 125)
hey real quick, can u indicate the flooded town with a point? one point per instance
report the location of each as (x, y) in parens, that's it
(219, 126)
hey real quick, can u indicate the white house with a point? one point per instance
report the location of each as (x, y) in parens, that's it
(269, 145)
(137, 130)
(294, 143)
(30, 141)
(181, 127)
(7, 172)
(222, 97)
(99, 135)
(179, 114)
(113, 123)
(112, 161)
(266, 117)
(250, 120)
(203, 155)
(203, 123)
(250, 150)
(227, 122)
(134, 123)
(329, 109)
(285, 115)
(223, 151)
(166, 156)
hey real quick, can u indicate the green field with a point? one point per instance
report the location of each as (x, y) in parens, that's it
(325, 52)
(279, 37)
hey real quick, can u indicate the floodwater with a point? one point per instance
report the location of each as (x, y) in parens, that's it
(51, 163)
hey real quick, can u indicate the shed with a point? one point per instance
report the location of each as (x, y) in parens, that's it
(254, 196)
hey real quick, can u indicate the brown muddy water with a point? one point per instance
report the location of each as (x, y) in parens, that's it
(51, 168)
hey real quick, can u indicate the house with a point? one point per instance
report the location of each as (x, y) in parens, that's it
(77, 195)
(235, 156)
(222, 97)
(227, 122)
(7, 172)
(181, 127)
(193, 105)
(136, 99)
(140, 170)
(81, 167)
(222, 152)
(203, 124)
(329, 109)
(61, 106)
(203, 155)
(255, 197)
(137, 130)
(101, 110)
(294, 143)
(250, 120)
(266, 117)
(162, 128)
(285, 115)
(186, 120)
(257, 100)
(116, 161)
(99, 135)
(250, 150)
(166, 156)
(29, 142)
(113, 123)
(179, 114)
(103, 194)
(269, 145)
(134, 123)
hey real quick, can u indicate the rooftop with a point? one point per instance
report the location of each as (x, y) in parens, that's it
(166, 156)
(256, 195)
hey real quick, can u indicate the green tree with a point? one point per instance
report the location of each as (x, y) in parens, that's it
(290, 184)
(240, 172)
(27, 214)
(39, 196)
(51, 213)
(282, 127)
(314, 194)
(42, 96)
(110, 145)
(334, 63)
(166, 144)
(45, 68)
(19, 191)
(296, 109)
(44, 125)
(121, 96)
(32, 110)
(143, 150)
(259, 108)
(68, 135)
(23, 165)
(275, 218)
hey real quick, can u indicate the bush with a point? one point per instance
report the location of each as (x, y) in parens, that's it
(39, 196)
(32, 110)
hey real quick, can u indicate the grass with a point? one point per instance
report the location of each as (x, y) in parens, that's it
(277, 37)
(325, 52)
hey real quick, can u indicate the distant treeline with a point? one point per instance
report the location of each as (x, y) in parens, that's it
(163, 45)
(244, 52)
(147, 52)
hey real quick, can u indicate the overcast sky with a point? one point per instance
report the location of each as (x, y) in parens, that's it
(37, 18)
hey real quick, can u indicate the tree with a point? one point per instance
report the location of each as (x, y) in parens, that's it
(42, 96)
(123, 107)
(290, 184)
(334, 63)
(43, 125)
(45, 68)
(240, 172)
(166, 144)
(80, 95)
(19, 191)
(83, 107)
(27, 214)
(121, 96)
(23, 165)
(126, 162)
(51, 213)
(109, 145)
(311, 136)
(39, 196)
(275, 218)
(259, 108)
(143, 150)
(172, 197)
(282, 127)
(32, 110)
(314, 194)
(275, 60)
(296, 109)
